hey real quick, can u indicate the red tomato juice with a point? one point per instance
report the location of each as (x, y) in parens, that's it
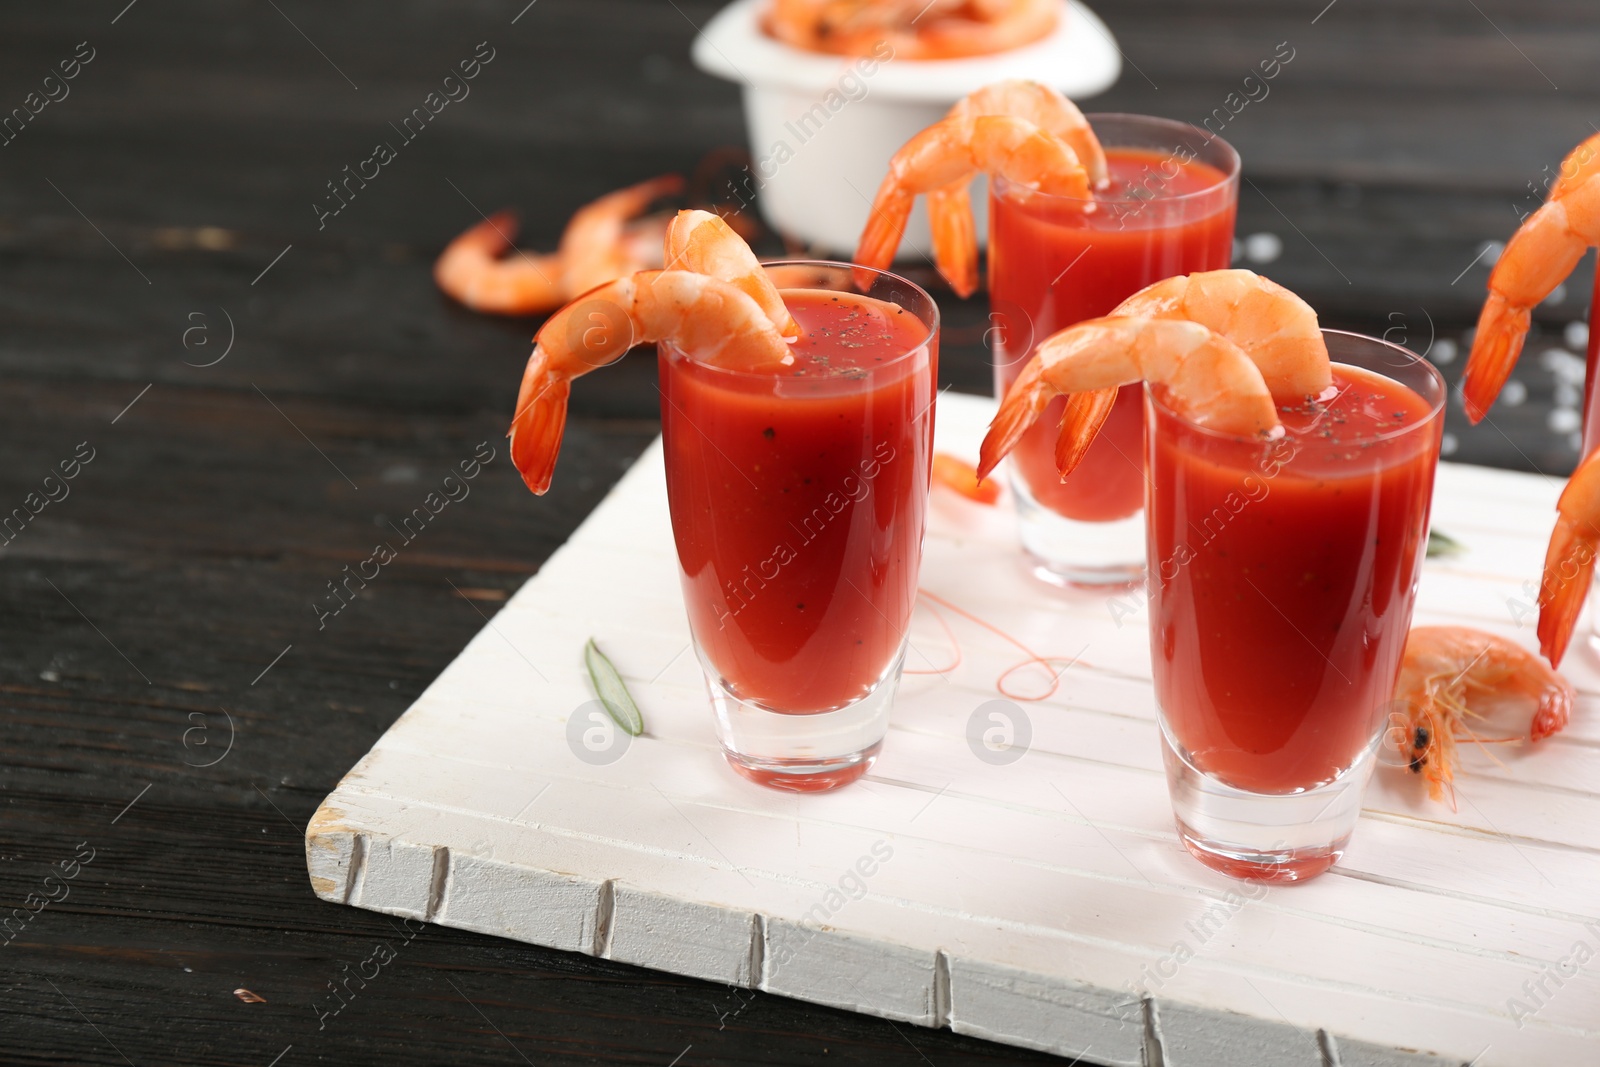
(798, 501)
(1282, 578)
(1051, 264)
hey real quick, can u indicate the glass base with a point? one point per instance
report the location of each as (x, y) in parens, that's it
(1264, 837)
(803, 753)
(1069, 552)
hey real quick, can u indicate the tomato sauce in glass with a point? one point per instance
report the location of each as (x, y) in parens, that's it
(1282, 578)
(799, 498)
(1052, 265)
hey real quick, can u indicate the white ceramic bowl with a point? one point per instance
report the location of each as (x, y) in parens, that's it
(822, 128)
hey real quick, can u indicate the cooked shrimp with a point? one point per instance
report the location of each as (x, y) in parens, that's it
(704, 243)
(1450, 674)
(1569, 561)
(1042, 106)
(1581, 164)
(913, 29)
(595, 247)
(951, 151)
(828, 25)
(991, 27)
(1209, 379)
(602, 241)
(715, 319)
(1539, 257)
(1274, 327)
(473, 269)
(955, 247)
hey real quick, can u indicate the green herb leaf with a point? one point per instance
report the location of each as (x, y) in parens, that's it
(1442, 544)
(611, 690)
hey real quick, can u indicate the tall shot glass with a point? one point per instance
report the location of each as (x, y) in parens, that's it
(1282, 580)
(798, 504)
(1055, 261)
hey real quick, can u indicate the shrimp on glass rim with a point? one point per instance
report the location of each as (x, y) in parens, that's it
(950, 209)
(1276, 329)
(604, 240)
(1569, 559)
(1452, 676)
(1539, 257)
(913, 29)
(704, 243)
(717, 303)
(1209, 380)
(1022, 131)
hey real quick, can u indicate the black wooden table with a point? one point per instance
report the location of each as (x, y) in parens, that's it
(261, 385)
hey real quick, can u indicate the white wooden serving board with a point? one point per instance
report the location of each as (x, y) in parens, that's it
(1047, 903)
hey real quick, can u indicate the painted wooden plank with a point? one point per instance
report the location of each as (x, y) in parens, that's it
(1122, 743)
(1196, 1038)
(1197, 980)
(1020, 1007)
(1129, 871)
(1056, 952)
(1046, 903)
(1352, 1053)
(669, 933)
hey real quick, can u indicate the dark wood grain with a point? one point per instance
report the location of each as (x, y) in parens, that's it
(142, 612)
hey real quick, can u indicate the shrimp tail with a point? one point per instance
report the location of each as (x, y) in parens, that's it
(886, 225)
(496, 232)
(537, 427)
(1502, 328)
(955, 237)
(1085, 414)
(1025, 401)
(1568, 571)
(1555, 709)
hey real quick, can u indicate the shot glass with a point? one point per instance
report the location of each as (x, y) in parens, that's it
(798, 505)
(1055, 261)
(1282, 578)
